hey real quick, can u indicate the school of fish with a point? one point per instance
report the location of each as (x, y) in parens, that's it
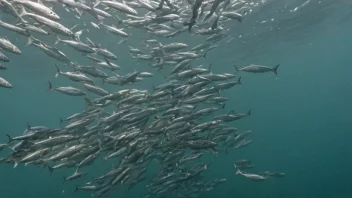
(175, 124)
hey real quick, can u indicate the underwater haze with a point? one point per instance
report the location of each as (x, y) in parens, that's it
(300, 118)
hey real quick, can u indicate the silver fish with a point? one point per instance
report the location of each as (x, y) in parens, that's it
(4, 83)
(68, 90)
(258, 69)
(8, 46)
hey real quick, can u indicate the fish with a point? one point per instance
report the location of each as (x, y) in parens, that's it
(119, 7)
(32, 28)
(5, 84)
(78, 77)
(5, 44)
(112, 29)
(273, 174)
(74, 176)
(232, 15)
(79, 46)
(258, 69)
(94, 89)
(48, 50)
(3, 57)
(68, 90)
(3, 67)
(253, 177)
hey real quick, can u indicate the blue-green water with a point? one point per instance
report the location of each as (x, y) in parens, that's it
(300, 118)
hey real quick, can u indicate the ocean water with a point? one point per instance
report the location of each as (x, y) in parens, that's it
(300, 118)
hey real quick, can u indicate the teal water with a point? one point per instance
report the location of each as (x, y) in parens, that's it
(300, 118)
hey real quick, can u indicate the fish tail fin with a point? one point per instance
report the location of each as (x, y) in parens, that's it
(51, 170)
(28, 127)
(9, 147)
(97, 2)
(77, 188)
(29, 41)
(23, 12)
(58, 40)
(21, 20)
(238, 172)
(77, 35)
(205, 55)
(209, 68)
(275, 69)
(64, 179)
(235, 165)
(100, 143)
(50, 86)
(239, 81)
(88, 102)
(223, 106)
(10, 138)
(15, 164)
(61, 121)
(44, 163)
(249, 112)
(237, 70)
(58, 72)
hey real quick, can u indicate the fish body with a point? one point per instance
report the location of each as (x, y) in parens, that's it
(94, 89)
(71, 91)
(258, 69)
(79, 46)
(120, 7)
(74, 176)
(251, 176)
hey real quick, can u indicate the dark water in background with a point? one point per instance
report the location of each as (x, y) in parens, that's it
(300, 118)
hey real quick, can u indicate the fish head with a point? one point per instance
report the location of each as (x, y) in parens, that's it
(16, 50)
(54, 16)
(68, 32)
